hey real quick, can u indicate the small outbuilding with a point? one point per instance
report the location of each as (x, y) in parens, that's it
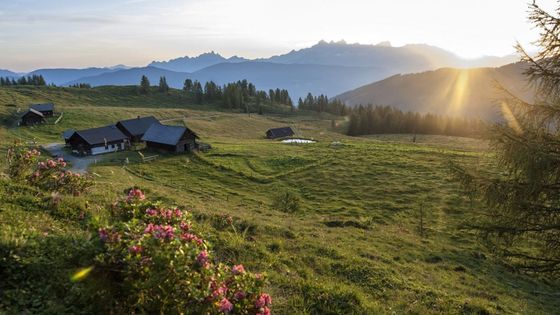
(67, 134)
(32, 117)
(98, 140)
(135, 128)
(170, 138)
(47, 109)
(277, 133)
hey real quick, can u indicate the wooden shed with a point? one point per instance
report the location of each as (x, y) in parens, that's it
(47, 109)
(277, 133)
(98, 140)
(32, 117)
(135, 128)
(170, 138)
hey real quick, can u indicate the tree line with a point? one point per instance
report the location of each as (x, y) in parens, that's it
(235, 95)
(35, 79)
(322, 104)
(371, 119)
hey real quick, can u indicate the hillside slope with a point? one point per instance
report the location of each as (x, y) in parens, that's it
(460, 92)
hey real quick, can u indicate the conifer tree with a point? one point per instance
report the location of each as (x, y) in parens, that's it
(163, 87)
(144, 85)
(520, 206)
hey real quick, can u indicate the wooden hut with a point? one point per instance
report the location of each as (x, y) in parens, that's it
(278, 133)
(170, 138)
(98, 140)
(47, 109)
(32, 117)
(135, 128)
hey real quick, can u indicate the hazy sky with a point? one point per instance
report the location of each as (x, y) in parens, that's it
(71, 33)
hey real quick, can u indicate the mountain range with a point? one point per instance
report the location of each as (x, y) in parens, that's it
(475, 92)
(325, 68)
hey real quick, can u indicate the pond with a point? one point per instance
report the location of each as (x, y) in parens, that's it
(298, 141)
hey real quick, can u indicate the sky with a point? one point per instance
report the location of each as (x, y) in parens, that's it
(69, 33)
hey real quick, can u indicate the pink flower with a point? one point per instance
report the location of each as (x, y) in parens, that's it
(264, 311)
(103, 235)
(263, 300)
(239, 295)
(77, 175)
(149, 228)
(51, 163)
(151, 212)
(63, 164)
(185, 226)
(42, 165)
(36, 174)
(60, 160)
(221, 291)
(202, 259)
(135, 249)
(178, 212)
(238, 269)
(135, 193)
(225, 306)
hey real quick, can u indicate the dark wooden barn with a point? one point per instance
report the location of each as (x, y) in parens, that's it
(68, 134)
(32, 117)
(98, 140)
(46, 109)
(277, 133)
(170, 138)
(136, 127)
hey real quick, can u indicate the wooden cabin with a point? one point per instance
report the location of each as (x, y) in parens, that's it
(170, 138)
(32, 117)
(67, 134)
(135, 128)
(98, 140)
(47, 109)
(278, 133)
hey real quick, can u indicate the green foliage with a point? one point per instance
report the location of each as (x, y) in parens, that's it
(36, 80)
(322, 104)
(286, 201)
(163, 87)
(520, 206)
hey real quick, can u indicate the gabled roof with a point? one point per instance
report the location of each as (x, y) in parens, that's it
(32, 111)
(280, 132)
(42, 107)
(165, 134)
(68, 133)
(101, 135)
(138, 126)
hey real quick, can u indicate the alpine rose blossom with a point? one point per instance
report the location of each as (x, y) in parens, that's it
(202, 259)
(225, 306)
(263, 300)
(238, 269)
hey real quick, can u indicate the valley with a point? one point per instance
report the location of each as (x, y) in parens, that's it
(354, 246)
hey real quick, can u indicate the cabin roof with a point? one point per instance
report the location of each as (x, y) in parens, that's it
(280, 132)
(68, 133)
(138, 126)
(42, 107)
(165, 134)
(101, 135)
(33, 111)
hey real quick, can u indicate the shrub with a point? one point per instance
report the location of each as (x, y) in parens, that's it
(49, 175)
(163, 265)
(286, 201)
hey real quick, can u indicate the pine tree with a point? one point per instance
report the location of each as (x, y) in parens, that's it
(144, 85)
(163, 87)
(187, 86)
(520, 206)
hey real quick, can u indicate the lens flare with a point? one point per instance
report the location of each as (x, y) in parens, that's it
(510, 118)
(81, 274)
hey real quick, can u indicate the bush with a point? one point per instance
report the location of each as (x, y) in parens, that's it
(164, 266)
(48, 175)
(286, 201)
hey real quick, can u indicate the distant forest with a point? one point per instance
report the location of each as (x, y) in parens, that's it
(241, 95)
(36, 80)
(365, 120)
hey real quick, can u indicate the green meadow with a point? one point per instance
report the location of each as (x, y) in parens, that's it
(379, 229)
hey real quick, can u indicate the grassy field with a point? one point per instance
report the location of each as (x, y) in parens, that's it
(355, 245)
